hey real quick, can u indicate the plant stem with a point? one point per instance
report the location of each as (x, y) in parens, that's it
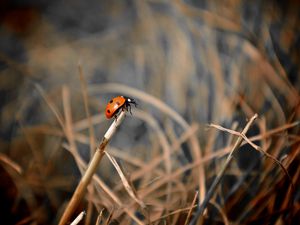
(85, 180)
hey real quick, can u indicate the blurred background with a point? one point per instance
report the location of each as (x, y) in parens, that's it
(187, 64)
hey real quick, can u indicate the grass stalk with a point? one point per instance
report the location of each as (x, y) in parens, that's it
(85, 180)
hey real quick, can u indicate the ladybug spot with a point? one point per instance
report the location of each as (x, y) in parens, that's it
(118, 103)
(111, 101)
(108, 111)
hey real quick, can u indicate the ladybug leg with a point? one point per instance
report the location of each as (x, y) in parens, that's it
(116, 117)
(129, 107)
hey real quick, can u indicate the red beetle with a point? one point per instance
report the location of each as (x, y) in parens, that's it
(118, 103)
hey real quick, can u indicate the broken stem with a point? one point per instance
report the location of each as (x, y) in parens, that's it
(85, 180)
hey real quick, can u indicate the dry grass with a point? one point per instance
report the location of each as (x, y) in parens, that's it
(198, 72)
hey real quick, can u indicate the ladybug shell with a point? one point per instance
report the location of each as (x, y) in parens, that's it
(114, 105)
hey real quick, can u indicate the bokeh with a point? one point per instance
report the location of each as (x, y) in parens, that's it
(187, 64)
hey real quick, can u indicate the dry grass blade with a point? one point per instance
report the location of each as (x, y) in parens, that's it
(51, 106)
(235, 133)
(275, 131)
(109, 218)
(165, 146)
(222, 171)
(223, 214)
(164, 143)
(87, 111)
(258, 149)
(130, 190)
(173, 213)
(6, 160)
(68, 118)
(91, 135)
(191, 210)
(99, 217)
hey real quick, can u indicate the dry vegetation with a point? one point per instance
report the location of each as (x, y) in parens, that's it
(191, 152)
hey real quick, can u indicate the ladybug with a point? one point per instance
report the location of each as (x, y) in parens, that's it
(116, 104)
